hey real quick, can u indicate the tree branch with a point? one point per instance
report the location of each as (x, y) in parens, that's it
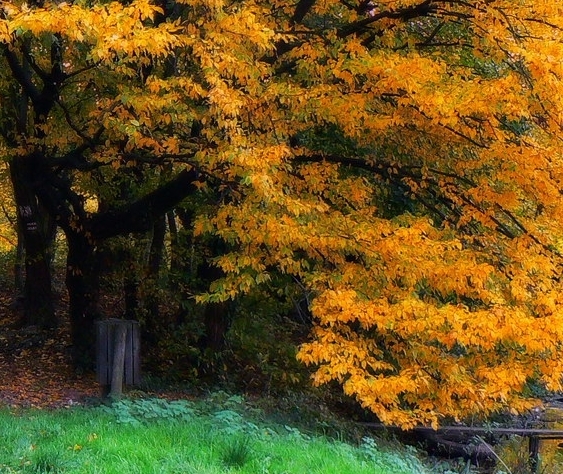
(90, 142)
(139, 215)
(20, 74)
(422, 9)
(303, 7)
(397, 173)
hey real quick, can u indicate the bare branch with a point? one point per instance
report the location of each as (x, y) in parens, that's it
(303, 7)
(422, 9)
(20, 74)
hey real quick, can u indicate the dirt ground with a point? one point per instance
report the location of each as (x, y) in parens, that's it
(35, 365)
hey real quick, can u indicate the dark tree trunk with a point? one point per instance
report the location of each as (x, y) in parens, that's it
(19, 264)
(152, 301)
(156, 252)
(82, 281)
(175, 263)
(130, 252)
(217, 316)
(131, 294)
(217, 322)
(35, 228)
(33, 222)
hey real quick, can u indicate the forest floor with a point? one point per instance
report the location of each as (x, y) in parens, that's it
(35, 365)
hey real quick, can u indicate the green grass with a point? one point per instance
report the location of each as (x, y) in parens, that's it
(150, 436)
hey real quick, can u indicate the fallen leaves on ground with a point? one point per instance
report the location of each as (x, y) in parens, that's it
(35, 366)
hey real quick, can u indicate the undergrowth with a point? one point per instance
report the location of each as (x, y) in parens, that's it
(221, 434)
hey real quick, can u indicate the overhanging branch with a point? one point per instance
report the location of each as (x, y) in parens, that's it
(141, 214)
(396, 172)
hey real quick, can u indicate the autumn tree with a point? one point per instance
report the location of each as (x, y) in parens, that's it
(451, 308)
(398, 159)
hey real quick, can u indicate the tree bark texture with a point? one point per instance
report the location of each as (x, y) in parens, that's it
(36, 231)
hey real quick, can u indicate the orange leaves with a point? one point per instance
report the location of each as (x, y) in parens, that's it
(5, 33)
(447, 360)
(111, 30)
(454, 382)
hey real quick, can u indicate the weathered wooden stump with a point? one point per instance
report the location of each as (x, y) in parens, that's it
(117, 355)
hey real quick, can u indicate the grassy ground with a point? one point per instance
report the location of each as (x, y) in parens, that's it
(154, 436)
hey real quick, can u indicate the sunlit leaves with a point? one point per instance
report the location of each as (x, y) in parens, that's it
(112, 29)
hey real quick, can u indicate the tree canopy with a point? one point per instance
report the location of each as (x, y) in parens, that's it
(400, 160)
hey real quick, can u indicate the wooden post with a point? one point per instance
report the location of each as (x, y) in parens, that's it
(534, 451)
(118, 366)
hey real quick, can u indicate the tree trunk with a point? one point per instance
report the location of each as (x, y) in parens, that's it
(217, 322)
(82, 281)
(218, 316)
(152, 301)
(175, 263)
(129, 249)
(156, 252)
(35, 229)
(19, 264)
